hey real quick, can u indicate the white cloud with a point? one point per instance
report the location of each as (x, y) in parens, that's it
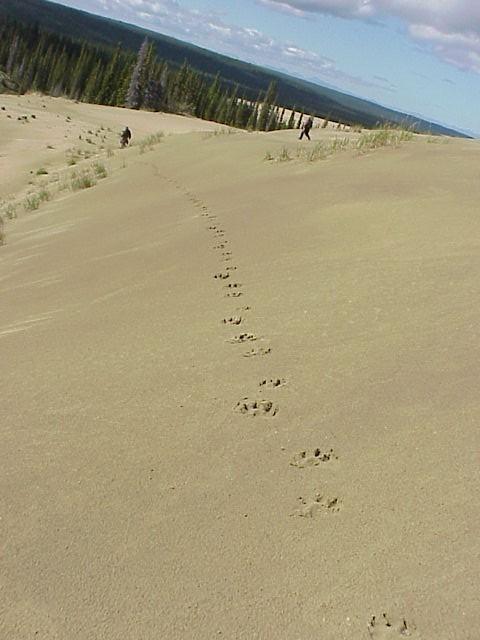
(451, 28)
(210, 30)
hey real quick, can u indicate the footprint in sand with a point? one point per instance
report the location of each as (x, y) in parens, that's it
(235, 320)
(273, 383)
(233, 285)
(312, 458)
(317, 505)
(221, 245)
(263, 408)
(211, 228)
(385, 628)
(263, 351)
(234, 294)
(221, 276)
(243, 337)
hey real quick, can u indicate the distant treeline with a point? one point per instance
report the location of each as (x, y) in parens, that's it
(38, 60)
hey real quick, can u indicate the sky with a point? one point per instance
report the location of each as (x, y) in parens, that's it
(417, 56)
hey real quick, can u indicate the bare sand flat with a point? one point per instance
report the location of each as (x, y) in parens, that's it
(240, 397)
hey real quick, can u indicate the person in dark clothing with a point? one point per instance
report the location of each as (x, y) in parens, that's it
(306, 128)
(125, 137)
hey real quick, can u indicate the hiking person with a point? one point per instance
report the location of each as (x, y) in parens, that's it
(125, 137)
(306, 128)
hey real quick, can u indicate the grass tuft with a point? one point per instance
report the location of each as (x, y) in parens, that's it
(149, 142)
(31, 203)
(383, 138)
(82, 180)
(99, 170)
(10, 211)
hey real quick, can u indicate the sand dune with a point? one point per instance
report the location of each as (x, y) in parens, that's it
(240, 396)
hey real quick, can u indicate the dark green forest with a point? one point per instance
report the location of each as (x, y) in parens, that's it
(38, 60)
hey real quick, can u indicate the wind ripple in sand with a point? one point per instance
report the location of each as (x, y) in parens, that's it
(25, 325)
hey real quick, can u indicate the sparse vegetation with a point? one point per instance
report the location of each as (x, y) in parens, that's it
(148, 143)
(31, 202)
(284, 155)
(82, 180)
(99, 170)
(10, 211)
(324, 149)
(44, 195)
(42, 172)
(2, 232)
(383, 138)
(224, 131)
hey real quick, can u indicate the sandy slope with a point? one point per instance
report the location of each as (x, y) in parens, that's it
(139, 501)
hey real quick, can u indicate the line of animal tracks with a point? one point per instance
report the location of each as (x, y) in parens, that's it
(263, 400)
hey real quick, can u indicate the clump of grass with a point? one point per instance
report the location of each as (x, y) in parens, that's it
(44, 195)
(339, 144)
(49, 146)
(99, 170)
(318, 152)
(223, 131)
(31, 202)
(82, 180)
(149, 142)
(42, 172)
(322, 150)
(383, 138)
(284, 155)
(10, 211)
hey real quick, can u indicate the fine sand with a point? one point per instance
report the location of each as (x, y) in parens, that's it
(239, 396)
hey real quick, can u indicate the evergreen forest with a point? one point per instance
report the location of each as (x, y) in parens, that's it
(38, 60)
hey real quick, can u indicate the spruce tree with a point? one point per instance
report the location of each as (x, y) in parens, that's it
(213, 97)
(266, 111)
(106, 94)
(253, 119)
(135, 90)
